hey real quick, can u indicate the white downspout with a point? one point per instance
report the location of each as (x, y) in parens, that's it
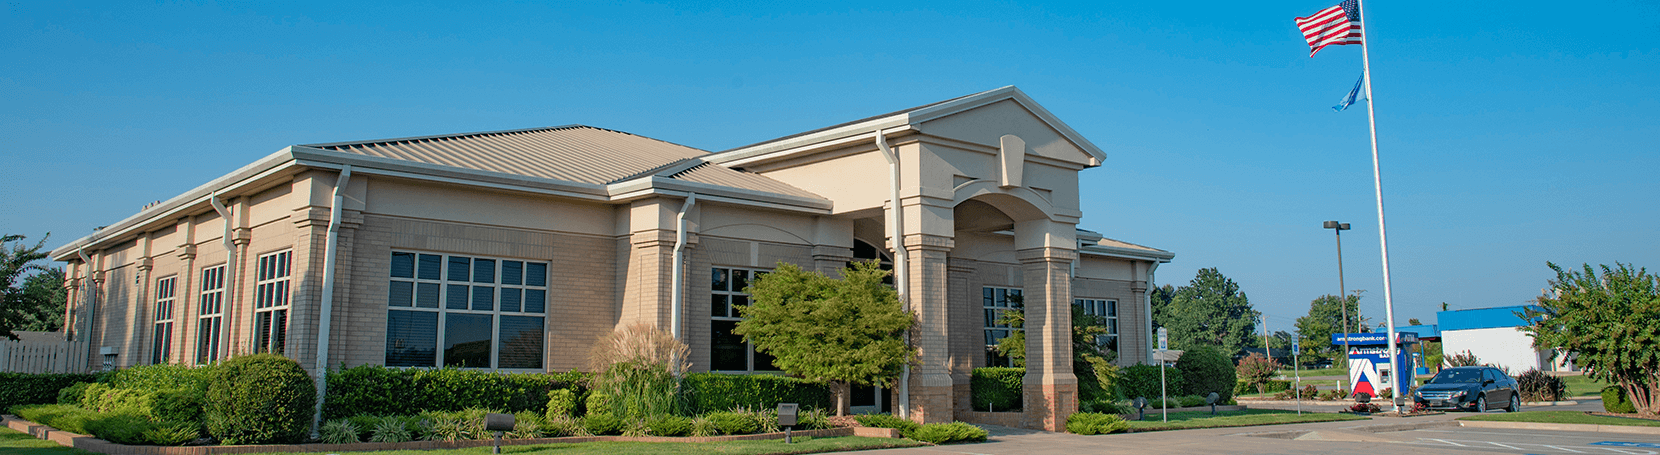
(230, 272)
(326, 316)
(678, 295)
(901, 262)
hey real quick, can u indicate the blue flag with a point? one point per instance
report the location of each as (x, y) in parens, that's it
(1350, 98)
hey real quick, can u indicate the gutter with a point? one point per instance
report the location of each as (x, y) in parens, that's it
(326, 317)
(901, 262)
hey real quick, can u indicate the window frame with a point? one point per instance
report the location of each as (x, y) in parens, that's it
(1092, 306)
(445, 281)
(273, 292)
(732, 316)
(991, 310)
(163, 318)
(210, 315)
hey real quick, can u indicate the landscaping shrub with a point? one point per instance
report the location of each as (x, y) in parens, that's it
(338, 431)
(564, 426)
(813, 419)
(182, 406)
(1105, 407)
(1535, 385)
(766, 420)
(669, 426)
(259, 399)
(527, 425)
(1333, 395)
(73, 393)
(160, 377)
(1143, 381)
(378, 390)
(1088, 423)
(729, 422)
(440, 427)
(712, 392)
(561, 402)
(996, 388)
(603, 424)
(1253, 373)
(23, 388)
(1206, 370)
(66, 417)
(905, 427)
(172, 434)
(640, 368)
(944, 433)
(122, 428)
(1614, 400)
(598, 403)
(702, 426)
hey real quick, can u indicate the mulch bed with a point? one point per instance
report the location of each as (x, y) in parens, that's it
(1628, 416)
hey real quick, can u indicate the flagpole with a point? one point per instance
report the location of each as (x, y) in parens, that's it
(1377, 183)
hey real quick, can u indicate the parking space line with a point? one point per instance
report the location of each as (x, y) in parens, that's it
(1564, 449)
(1508, 446)
(1443, 441)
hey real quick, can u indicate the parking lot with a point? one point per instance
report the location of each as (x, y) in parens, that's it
(1531, 441)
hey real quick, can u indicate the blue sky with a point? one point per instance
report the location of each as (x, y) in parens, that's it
(1511, 133)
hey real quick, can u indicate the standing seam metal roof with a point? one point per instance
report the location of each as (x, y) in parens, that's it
(724, 176)
(575, 153)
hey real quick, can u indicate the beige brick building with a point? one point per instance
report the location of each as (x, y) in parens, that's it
(514, 250)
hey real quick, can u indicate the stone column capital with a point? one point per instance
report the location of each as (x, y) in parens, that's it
(242, 236)
(1046, 254)
(656, 238)
(832, 253)
(187, 252)
(927, 242)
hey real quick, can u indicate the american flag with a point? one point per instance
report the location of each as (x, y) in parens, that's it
(1336, 25)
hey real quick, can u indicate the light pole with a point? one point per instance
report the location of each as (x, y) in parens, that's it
(1342, 288)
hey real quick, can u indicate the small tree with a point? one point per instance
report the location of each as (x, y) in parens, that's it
(17, 308)
(1611, 322)
(1255, 369)
(1463, 359)
(1091, 359)
(844, 332)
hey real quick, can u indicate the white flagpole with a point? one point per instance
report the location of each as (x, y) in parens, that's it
(1377, 183)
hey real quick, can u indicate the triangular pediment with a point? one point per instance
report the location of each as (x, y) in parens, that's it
(987, 124)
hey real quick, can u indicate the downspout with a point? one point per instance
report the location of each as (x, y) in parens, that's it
(901, 262)
(678, 295)
(230, 272)
(88, 293)
(1147, 306)
(326, 316)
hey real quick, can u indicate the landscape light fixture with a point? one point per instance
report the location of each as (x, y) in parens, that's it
(1342, 288)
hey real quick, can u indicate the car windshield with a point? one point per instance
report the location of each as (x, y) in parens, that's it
(1457, 377)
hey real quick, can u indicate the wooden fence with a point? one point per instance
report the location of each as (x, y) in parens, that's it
(42, 352)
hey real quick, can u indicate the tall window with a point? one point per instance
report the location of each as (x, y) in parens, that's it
(164, 320)
(271, 302)
(1106, 312)
(995, 301)
(483, 312)
(728, 351)
(211, 314)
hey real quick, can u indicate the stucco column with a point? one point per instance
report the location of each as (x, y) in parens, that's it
(932, 394)
(1051, 390)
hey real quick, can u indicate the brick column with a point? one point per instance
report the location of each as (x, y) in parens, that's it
(967, 339)
(830, 259)
(932, 394)
(1051, 390)
(305, 295)
(646, 297)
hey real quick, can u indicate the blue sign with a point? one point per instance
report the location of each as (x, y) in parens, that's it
(1372, 339)
(1646, 445)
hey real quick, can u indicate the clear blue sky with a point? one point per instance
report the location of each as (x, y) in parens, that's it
(1512, 133)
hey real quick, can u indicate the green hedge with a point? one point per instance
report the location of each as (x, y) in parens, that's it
(1614, 400)
(160, 377)
(23, 388)
(712, 392)
(1206, 370)
(997, 388)
(1143, 381)
(378, 390)
(259, 399)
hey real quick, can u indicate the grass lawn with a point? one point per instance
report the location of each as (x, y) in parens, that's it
(1248, 417)
(1579, 386)
(17, 443)
(1333, 371)
(13, 442)
(1563, 417)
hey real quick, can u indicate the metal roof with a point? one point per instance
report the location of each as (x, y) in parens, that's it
(724, 176)
(1482, 318)
(572, 153)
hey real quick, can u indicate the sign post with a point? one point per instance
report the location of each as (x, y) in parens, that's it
(1164, 400)
(1297, 369)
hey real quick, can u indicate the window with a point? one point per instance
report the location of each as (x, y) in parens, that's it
(1105, 312)
(163, 336)
(271, 302)
(482, 312)
(995, 301)
(728, 351)
(211, 314)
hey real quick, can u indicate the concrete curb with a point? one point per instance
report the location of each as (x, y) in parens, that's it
(1561, 427)
(1550, 403)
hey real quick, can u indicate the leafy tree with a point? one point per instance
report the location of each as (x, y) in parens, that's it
(1611, 322)
(1463, 359)
(1091, 356)
(1325, 317)
(18, 310)
(844, 332)
(1414, 321)
(44, 298)
(1209, 311)
(1256, 370)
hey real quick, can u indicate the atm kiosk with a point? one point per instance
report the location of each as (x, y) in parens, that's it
(1369, 369)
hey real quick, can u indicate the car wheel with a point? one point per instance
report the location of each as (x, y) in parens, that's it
(1515, 404)
(1481, 403)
